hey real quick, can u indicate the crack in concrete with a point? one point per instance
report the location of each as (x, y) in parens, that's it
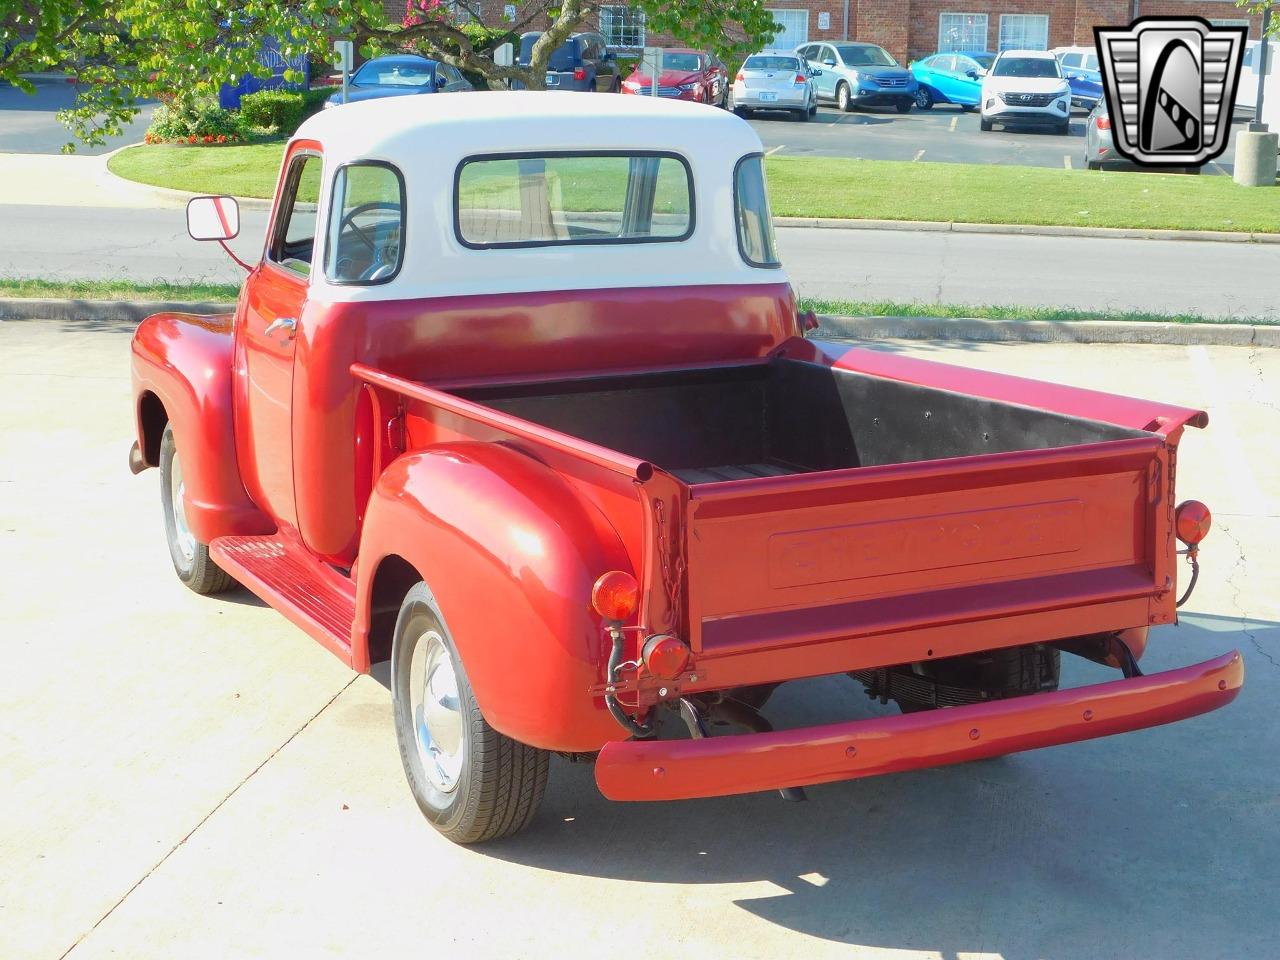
(1254, 361)
(205, 819)
(1235, 598)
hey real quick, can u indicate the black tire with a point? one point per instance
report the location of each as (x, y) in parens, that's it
(924, 99)
(742, 112)
(844, 98)
(801, 116)
(1064, 128)
(968, 107)
(985, 125)
(1093, 164)
(191, 560)
(904, 106)
(500, 782)
(813, 109)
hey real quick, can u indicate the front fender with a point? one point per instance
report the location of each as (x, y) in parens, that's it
(186, 362)
(510, 552)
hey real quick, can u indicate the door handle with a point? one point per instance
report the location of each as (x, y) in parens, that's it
(282, 323)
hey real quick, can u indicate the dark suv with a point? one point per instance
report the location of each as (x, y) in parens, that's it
(580, 63)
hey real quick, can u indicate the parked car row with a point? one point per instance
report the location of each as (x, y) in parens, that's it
(1010, 88)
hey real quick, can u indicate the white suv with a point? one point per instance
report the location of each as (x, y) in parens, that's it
(1026, 86)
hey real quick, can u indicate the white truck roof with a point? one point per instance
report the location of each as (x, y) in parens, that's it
(428, 137)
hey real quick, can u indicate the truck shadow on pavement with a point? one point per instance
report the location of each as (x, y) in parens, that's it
(1158, 843)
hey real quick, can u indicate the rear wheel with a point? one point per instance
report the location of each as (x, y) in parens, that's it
(191, 560)
(743, 112)
(844, 99)
(801, 115)
(924, 99)
(471, 782)
(1093, 164)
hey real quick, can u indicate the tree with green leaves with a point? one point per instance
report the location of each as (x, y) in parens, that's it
(124, 51)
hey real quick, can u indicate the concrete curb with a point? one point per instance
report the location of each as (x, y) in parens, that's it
(861, 328)
(100, 311)
(1044, 331)
(179, 197)
(1108, 233)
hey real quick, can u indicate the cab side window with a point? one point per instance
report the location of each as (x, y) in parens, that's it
(366, 224)
(293, 245)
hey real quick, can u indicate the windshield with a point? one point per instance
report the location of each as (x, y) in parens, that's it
(375, 74)
(771, 63)
(865, 55)
(1027, 67)
(985, 60)
(687, 62)
(561, 59)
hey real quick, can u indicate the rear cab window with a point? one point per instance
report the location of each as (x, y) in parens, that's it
(555, 199)
(756, 242)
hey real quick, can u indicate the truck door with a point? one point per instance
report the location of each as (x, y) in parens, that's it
(274, 300)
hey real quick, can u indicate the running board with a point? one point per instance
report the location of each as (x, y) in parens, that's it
(313, 596)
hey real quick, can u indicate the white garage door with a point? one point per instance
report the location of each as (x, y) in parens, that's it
(795, 29)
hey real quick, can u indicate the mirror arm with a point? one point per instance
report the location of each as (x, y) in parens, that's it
(231, 254)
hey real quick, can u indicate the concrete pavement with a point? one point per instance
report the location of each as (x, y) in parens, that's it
(191, 777)
(1213, 279)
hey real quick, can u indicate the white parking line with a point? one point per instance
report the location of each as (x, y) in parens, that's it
(1066, 160)
(919, 154)
(770, 153)
(1220, 168)
(954, 121)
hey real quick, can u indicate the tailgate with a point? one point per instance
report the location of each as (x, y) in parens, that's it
(790, 560)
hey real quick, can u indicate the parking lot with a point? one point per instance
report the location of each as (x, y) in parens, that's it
(944, 134)
(194, 778)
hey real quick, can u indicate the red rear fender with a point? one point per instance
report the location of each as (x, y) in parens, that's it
(510, 552)
(183, 362)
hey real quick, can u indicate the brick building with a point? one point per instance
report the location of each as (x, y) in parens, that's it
(912, 28)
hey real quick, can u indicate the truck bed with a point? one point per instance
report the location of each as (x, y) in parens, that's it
(783, 417)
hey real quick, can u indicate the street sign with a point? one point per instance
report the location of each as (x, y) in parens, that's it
(345, 55)
(824, 20)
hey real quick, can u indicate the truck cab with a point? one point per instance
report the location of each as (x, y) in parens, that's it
(518, 398)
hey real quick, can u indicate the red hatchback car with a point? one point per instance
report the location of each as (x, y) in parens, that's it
(686, 75)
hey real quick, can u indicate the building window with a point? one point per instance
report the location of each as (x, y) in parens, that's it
(1024, 31)
(962, 32)
(793, 29)
(1219, 22)
(622, 26)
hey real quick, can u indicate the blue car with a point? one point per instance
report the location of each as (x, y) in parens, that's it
(1080, 67)
(951, 78)
(400, 76)
(859, 75)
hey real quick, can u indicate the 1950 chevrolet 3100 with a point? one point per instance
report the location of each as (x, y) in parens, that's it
(518, 398)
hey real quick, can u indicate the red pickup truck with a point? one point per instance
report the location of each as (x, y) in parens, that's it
(518, 399)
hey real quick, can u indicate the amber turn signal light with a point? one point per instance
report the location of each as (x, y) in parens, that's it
(616, 595)
(665, 656)
(1192, 521)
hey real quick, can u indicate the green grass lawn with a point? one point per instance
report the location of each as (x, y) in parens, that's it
(968, 193)
(118, 290)
(858, 189)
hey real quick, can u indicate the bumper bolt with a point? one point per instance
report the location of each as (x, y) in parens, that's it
(1088, 714)
(975, 733)
(1222, 684)
(850, 752)
(659, 771)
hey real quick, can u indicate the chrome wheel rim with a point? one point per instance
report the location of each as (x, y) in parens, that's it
(922, 99)
(436, 709)
(181, 532)
(843, 97)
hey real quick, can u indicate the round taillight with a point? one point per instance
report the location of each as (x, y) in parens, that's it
(615, 595)
(1192, 521)
(665, 656)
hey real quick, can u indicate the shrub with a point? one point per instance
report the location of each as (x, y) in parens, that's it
(184, 119)
(281, 110)
(313, 99)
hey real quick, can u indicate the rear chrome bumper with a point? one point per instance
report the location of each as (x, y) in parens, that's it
(719, 766)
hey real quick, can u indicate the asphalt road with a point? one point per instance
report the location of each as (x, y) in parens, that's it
(1214, 279)
(193, 777)
(944, 134)
(29, 122)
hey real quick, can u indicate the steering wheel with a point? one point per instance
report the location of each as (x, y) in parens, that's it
(377, 270)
